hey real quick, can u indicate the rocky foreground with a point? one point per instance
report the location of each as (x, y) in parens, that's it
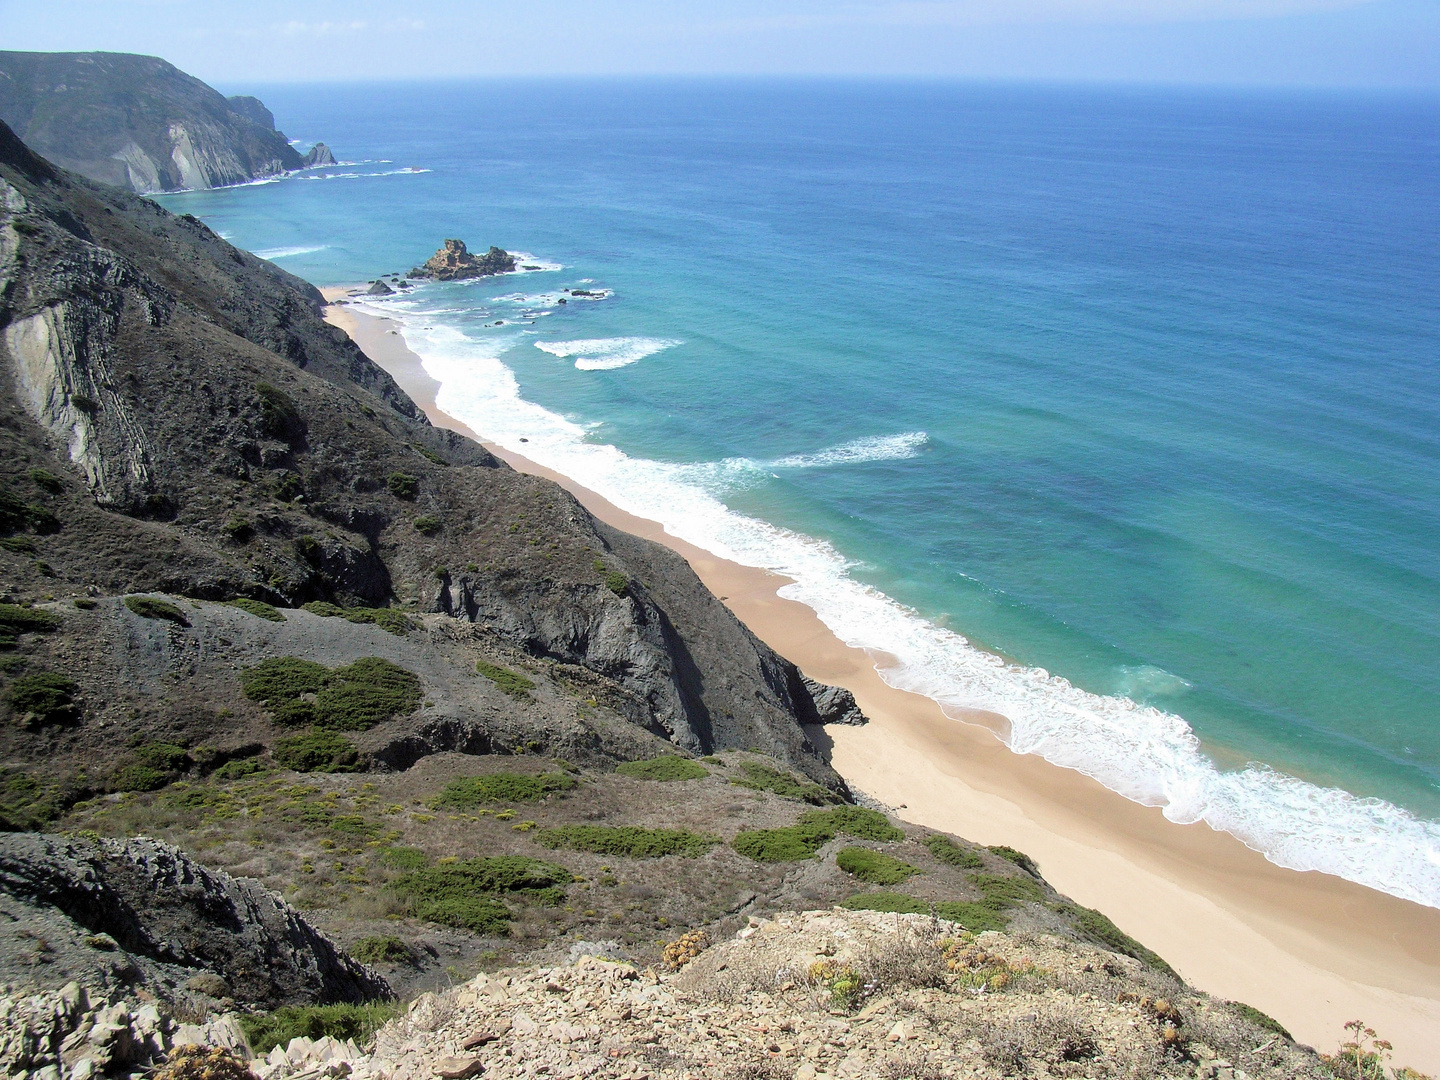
(801, 997)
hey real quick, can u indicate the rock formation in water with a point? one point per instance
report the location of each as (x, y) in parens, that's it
(453, 262)
(138, 122)
(319, 154)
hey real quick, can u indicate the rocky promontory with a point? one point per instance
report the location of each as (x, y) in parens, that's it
(139, 122)
(453, 262)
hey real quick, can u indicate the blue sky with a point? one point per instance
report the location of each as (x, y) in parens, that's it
(1376, 43)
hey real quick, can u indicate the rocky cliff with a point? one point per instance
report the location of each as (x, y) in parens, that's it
(138, 122)
(454, 262)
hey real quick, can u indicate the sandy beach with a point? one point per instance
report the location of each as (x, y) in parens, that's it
(1312, 950)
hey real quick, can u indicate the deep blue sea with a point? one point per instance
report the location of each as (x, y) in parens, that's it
(1138, 389)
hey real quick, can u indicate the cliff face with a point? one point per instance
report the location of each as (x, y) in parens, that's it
(203, 432)
(137, 122)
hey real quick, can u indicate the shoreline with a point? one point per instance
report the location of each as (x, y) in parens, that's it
(1312, 950)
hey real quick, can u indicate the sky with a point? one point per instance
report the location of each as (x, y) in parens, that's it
(1320, 43)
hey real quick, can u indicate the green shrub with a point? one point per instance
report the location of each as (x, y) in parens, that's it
(665, 768)
(511, 682)
(977, 918)
(282, 678)
(278, 415)
(462, 894)
(1259, 1019)
(429, 455)
(873, 866)
(309, 549)
(147, 607)
(403, 858)
(239, 528)
(289, 487)
(617, 583)
(814, 830)
(478, 914)
(1007, 890)
(468, 792)
(85, 603)
(341, 1022)
(1019, 858)
(141, 778)
(163, 755)
(17, 545)
(235, 770)
(47, 480)
(16, 620)
(396, 622)
(890, 902)
(365, 693)
(760, 777)
(352, 698)
(25, 803)
(316, 751)
(258, 608)
(1095, 926)
(402, 485)
(427, 524)
(629, 841)
(16, 514)
(858, 822)
(380, 950)
(950, 853)
(47, 697)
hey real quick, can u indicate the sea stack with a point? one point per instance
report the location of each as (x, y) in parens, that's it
(453, 262)
(319, 155)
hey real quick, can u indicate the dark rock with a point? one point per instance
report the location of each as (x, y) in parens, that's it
(175, 923)
(834, 704)
(453, 262)
(319, 155)
(379, 289)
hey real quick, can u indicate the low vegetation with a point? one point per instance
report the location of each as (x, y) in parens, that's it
(16, 620)
(44, 697)
(760, 777)
(1097, 927)
(464, 894)
(511, 682)
(468, 792)
(355, 697)
(427, 524)
(814, 830)
(258, 608)
(666, 768)
(388, 619)
(950, 853)
(382, 949)
(874, 866)
(1019, 858)
(628, 841)
(402, 485)
(147, 607)
(342, 1022)
(316, 751)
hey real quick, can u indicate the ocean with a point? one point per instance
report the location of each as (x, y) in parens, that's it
(1112, 410)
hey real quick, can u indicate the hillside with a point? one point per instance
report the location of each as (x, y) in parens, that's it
(138, 122)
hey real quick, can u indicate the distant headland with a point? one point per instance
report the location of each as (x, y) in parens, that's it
(141, 123)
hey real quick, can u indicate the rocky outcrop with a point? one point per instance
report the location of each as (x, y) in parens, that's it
(379, 288)
(833, 704)
(138, 122)
(319, 154)
(122, 912)
(453, 262)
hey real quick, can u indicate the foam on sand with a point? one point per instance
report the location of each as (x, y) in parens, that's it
(1146, 754)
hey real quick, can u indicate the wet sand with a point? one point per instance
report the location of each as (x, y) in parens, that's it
(1312, 950)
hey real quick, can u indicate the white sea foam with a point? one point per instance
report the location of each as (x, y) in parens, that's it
(1147, 755)
(524, 260)
(874, 448)
(603, 354)
(287, 252)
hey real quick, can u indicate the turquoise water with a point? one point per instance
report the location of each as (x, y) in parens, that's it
(1136, 388)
